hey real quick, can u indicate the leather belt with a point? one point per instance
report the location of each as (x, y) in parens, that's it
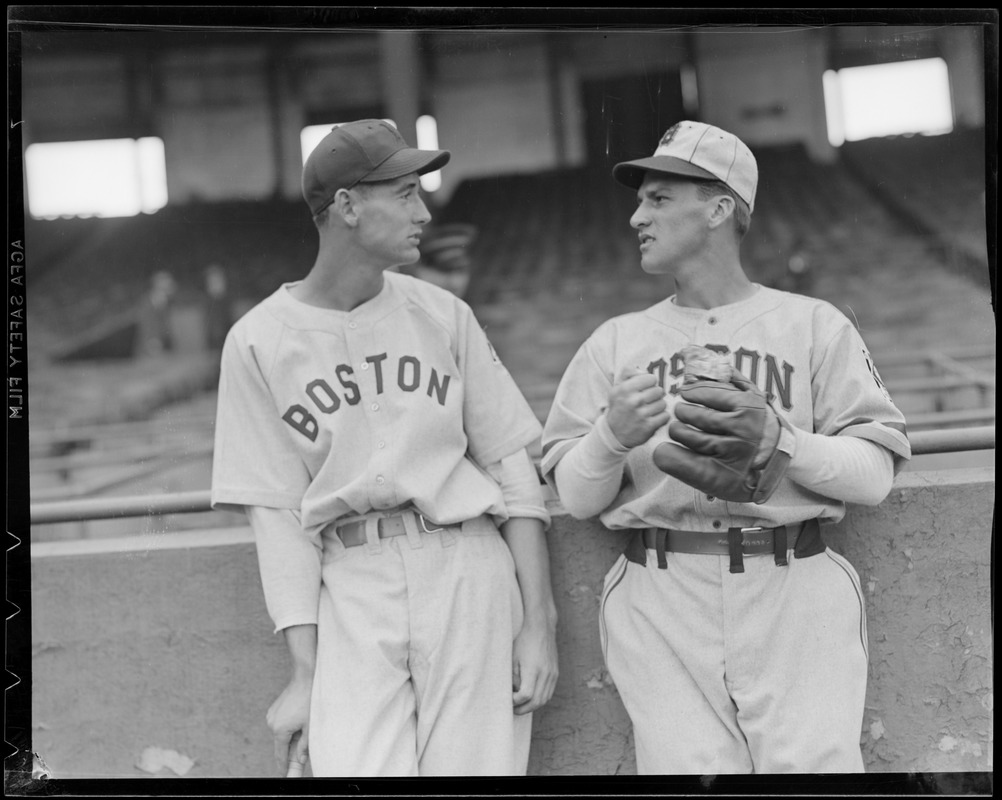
(352, 534)
(804, 538)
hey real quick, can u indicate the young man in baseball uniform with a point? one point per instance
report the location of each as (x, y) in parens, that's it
(735, 637)
(378, 446)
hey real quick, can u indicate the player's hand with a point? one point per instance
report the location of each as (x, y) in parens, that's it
(534, 667)
(637, 407)
(289, 721)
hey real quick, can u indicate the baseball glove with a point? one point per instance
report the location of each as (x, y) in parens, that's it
(729, 435)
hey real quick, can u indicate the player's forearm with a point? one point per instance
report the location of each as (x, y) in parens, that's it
(526, 538)
(289, 564)
(844, 468)
(525, 534)
(302, 643)
(589, 476)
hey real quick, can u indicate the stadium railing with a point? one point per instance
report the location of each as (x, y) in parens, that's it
(923, 443)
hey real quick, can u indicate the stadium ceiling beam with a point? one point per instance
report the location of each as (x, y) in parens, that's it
(144, 41)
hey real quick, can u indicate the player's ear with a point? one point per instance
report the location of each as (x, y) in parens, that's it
(721, 210)
(346, 205)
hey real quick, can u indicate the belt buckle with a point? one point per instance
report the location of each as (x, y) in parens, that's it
(746, 532)
(423, 524)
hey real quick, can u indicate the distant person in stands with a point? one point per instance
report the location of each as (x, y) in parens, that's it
(218, 307)
(379, 447)
(798, 273)
(445, 257)
(723, 426)
(161, 297)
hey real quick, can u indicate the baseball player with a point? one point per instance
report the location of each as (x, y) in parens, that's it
(378, 446)
(736, 638)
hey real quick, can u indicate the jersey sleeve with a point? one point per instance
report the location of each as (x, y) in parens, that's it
(255, 461)
(581, 398)
(496, 416)
(850, 398)
(289, 565)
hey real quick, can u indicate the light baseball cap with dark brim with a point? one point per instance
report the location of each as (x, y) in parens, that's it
(632, 173)
(701, 152)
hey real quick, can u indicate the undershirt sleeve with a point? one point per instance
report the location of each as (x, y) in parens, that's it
(589, 476)
(520, 486)
(844, 468)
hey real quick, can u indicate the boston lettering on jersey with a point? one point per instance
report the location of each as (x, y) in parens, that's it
(762, 370)
(410, 377)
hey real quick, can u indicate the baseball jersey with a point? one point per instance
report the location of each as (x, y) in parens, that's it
(800, 350)
(400, 401)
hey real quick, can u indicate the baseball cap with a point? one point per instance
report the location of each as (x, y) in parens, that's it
(365, 151)
(700, 151)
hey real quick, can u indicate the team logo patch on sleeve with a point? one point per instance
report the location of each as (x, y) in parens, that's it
(876, 375)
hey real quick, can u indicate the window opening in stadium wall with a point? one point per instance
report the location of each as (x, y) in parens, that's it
(97, 178)
(690, 89)
(905, 97)
(427, 139)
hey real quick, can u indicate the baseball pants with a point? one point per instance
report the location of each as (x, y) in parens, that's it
(414, 657)
(762, 671)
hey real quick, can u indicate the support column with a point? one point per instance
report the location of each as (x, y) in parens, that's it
(963, 50)
(401, 80)
(815, 63)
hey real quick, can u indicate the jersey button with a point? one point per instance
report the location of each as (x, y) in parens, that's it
(716, 523)
(381, 445)
(365, 365)
(712, 320)
(352, 325)
(375, 406)
(710, 497)
(380, 480)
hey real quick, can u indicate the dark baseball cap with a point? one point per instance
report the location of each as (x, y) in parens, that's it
(365, 151)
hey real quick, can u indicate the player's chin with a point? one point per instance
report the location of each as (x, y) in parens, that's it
(407, 255)
(653, 266)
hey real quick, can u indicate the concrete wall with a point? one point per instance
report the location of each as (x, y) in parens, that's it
(924, 560)
(154, 654)
(780, 100)
(501, 121)
(214, 117)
